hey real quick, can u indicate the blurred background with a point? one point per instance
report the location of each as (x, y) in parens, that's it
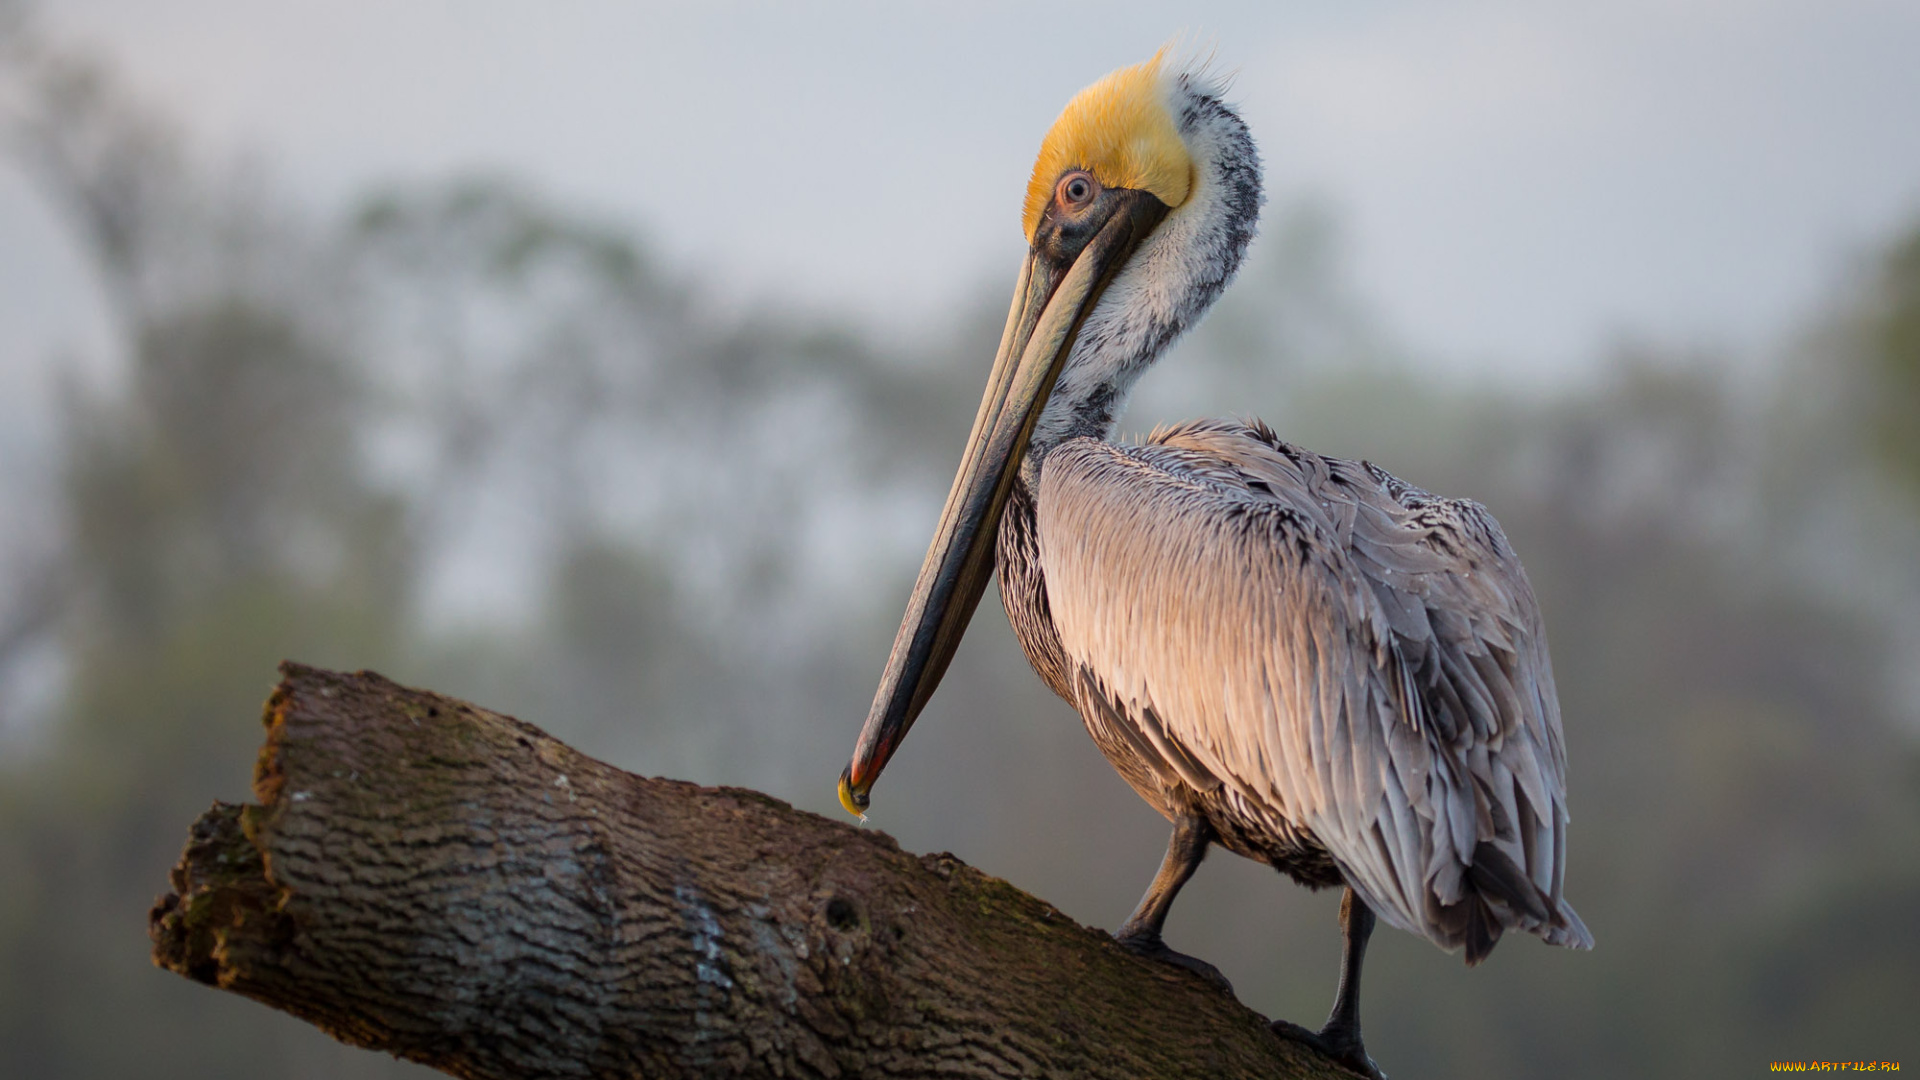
(607, 366)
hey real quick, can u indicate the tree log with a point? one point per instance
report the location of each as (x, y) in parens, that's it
(449, 885)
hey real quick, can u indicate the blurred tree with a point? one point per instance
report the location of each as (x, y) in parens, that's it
(217, 517)
(1892, 359)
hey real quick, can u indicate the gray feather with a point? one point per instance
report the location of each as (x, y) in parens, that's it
(1360, 663)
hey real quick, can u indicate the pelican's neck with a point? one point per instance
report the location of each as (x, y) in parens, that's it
(1173, 277)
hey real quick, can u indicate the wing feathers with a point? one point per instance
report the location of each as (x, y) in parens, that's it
(1355, 658)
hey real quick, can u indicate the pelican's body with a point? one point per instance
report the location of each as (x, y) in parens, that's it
(1344, 676)
(1299, 658)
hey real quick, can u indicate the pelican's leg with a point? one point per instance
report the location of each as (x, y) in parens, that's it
(1141, 934)
(1340, 1038)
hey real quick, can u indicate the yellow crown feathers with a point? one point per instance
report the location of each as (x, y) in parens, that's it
(1120, 130)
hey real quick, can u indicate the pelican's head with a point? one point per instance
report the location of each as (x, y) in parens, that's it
(1141, 204)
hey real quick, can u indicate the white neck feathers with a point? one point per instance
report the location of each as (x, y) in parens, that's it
(1173, 276)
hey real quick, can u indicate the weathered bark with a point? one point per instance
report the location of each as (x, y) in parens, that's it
(427, 878)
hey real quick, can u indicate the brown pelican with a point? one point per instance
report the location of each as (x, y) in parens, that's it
(1299, 658)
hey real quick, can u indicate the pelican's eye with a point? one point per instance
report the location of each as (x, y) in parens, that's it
(1077, 189)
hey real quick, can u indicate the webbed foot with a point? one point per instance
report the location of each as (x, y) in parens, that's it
(1150, 947)
(1341, 1045)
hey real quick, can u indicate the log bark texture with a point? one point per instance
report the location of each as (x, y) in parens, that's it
(427, 878)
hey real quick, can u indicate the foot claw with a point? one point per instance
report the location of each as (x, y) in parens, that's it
(1152, 948)
(1342, 1047)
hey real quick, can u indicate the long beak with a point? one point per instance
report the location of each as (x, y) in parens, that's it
(1059, 284)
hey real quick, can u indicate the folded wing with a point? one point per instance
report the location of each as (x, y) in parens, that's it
(1347, 655)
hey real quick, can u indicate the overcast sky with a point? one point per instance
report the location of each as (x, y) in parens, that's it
(1520, 180)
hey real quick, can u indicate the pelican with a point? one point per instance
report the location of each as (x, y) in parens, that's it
(1299, 658)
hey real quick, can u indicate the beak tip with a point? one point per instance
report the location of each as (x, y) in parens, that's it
(854, 802)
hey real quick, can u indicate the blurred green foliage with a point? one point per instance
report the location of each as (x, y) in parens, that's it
(478, 442)
(1893, 355)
